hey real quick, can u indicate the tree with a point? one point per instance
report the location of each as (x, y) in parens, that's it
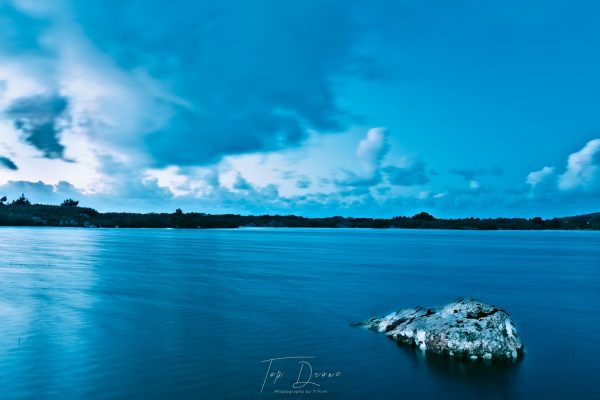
(537, 220)
(423, 216)
(3, 201)
(70, 203)
(21, 201)
(178, 212)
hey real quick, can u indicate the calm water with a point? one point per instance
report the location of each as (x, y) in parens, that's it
(145, 314)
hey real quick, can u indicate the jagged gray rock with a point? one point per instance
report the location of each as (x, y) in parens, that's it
(465, 328)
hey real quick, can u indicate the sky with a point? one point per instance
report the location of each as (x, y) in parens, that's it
(357, 108)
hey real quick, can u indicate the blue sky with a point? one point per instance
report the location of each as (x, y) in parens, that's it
(363, 108)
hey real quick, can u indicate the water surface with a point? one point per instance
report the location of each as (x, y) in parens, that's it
(190, 314)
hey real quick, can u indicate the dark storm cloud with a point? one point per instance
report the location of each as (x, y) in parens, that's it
(253, 75)
(8, 163)
(38, 117)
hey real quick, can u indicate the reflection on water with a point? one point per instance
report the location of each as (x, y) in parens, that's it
(479, 378)
(44, 305)
(104, 314)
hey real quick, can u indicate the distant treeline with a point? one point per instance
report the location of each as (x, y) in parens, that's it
(21, 212)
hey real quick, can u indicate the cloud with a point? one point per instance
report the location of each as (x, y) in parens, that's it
(473, 173)
(135, 195)
(242, 184)
(8, 163)
(578, 184)
(536, 178)
(128, 87)
(131, 89)
(370, 153)
(415, 173)
(351, 179)
(303, 183)
(129, 100)
(244, 77)
(39, 192)
(40, 118)
(14, 38)
(583, 168)
(371, 150)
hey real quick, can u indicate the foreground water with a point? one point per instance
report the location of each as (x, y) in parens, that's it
(145, 314)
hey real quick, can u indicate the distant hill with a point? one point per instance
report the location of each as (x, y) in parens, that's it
(69, 214)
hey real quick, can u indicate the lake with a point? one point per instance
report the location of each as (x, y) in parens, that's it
(198, 314)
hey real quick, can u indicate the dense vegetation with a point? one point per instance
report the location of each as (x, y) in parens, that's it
(21, 212)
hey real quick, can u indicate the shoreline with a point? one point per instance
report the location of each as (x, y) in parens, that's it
(258, 228)
(42, 215)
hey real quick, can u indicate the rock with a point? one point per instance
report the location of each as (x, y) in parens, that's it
(464, 328)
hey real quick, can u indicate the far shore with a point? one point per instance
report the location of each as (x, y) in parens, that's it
(70, 214)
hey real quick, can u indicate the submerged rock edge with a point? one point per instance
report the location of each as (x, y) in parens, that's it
(464, 328)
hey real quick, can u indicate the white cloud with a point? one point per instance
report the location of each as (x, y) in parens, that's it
(536, 177)
(112, 109)
(372, 149)
(423, 195)
(18, 83)
(109, 109)
(580, 178)
(39, 8)
(582, 168)
(180, 183)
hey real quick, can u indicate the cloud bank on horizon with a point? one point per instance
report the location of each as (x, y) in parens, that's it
(375, 108)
